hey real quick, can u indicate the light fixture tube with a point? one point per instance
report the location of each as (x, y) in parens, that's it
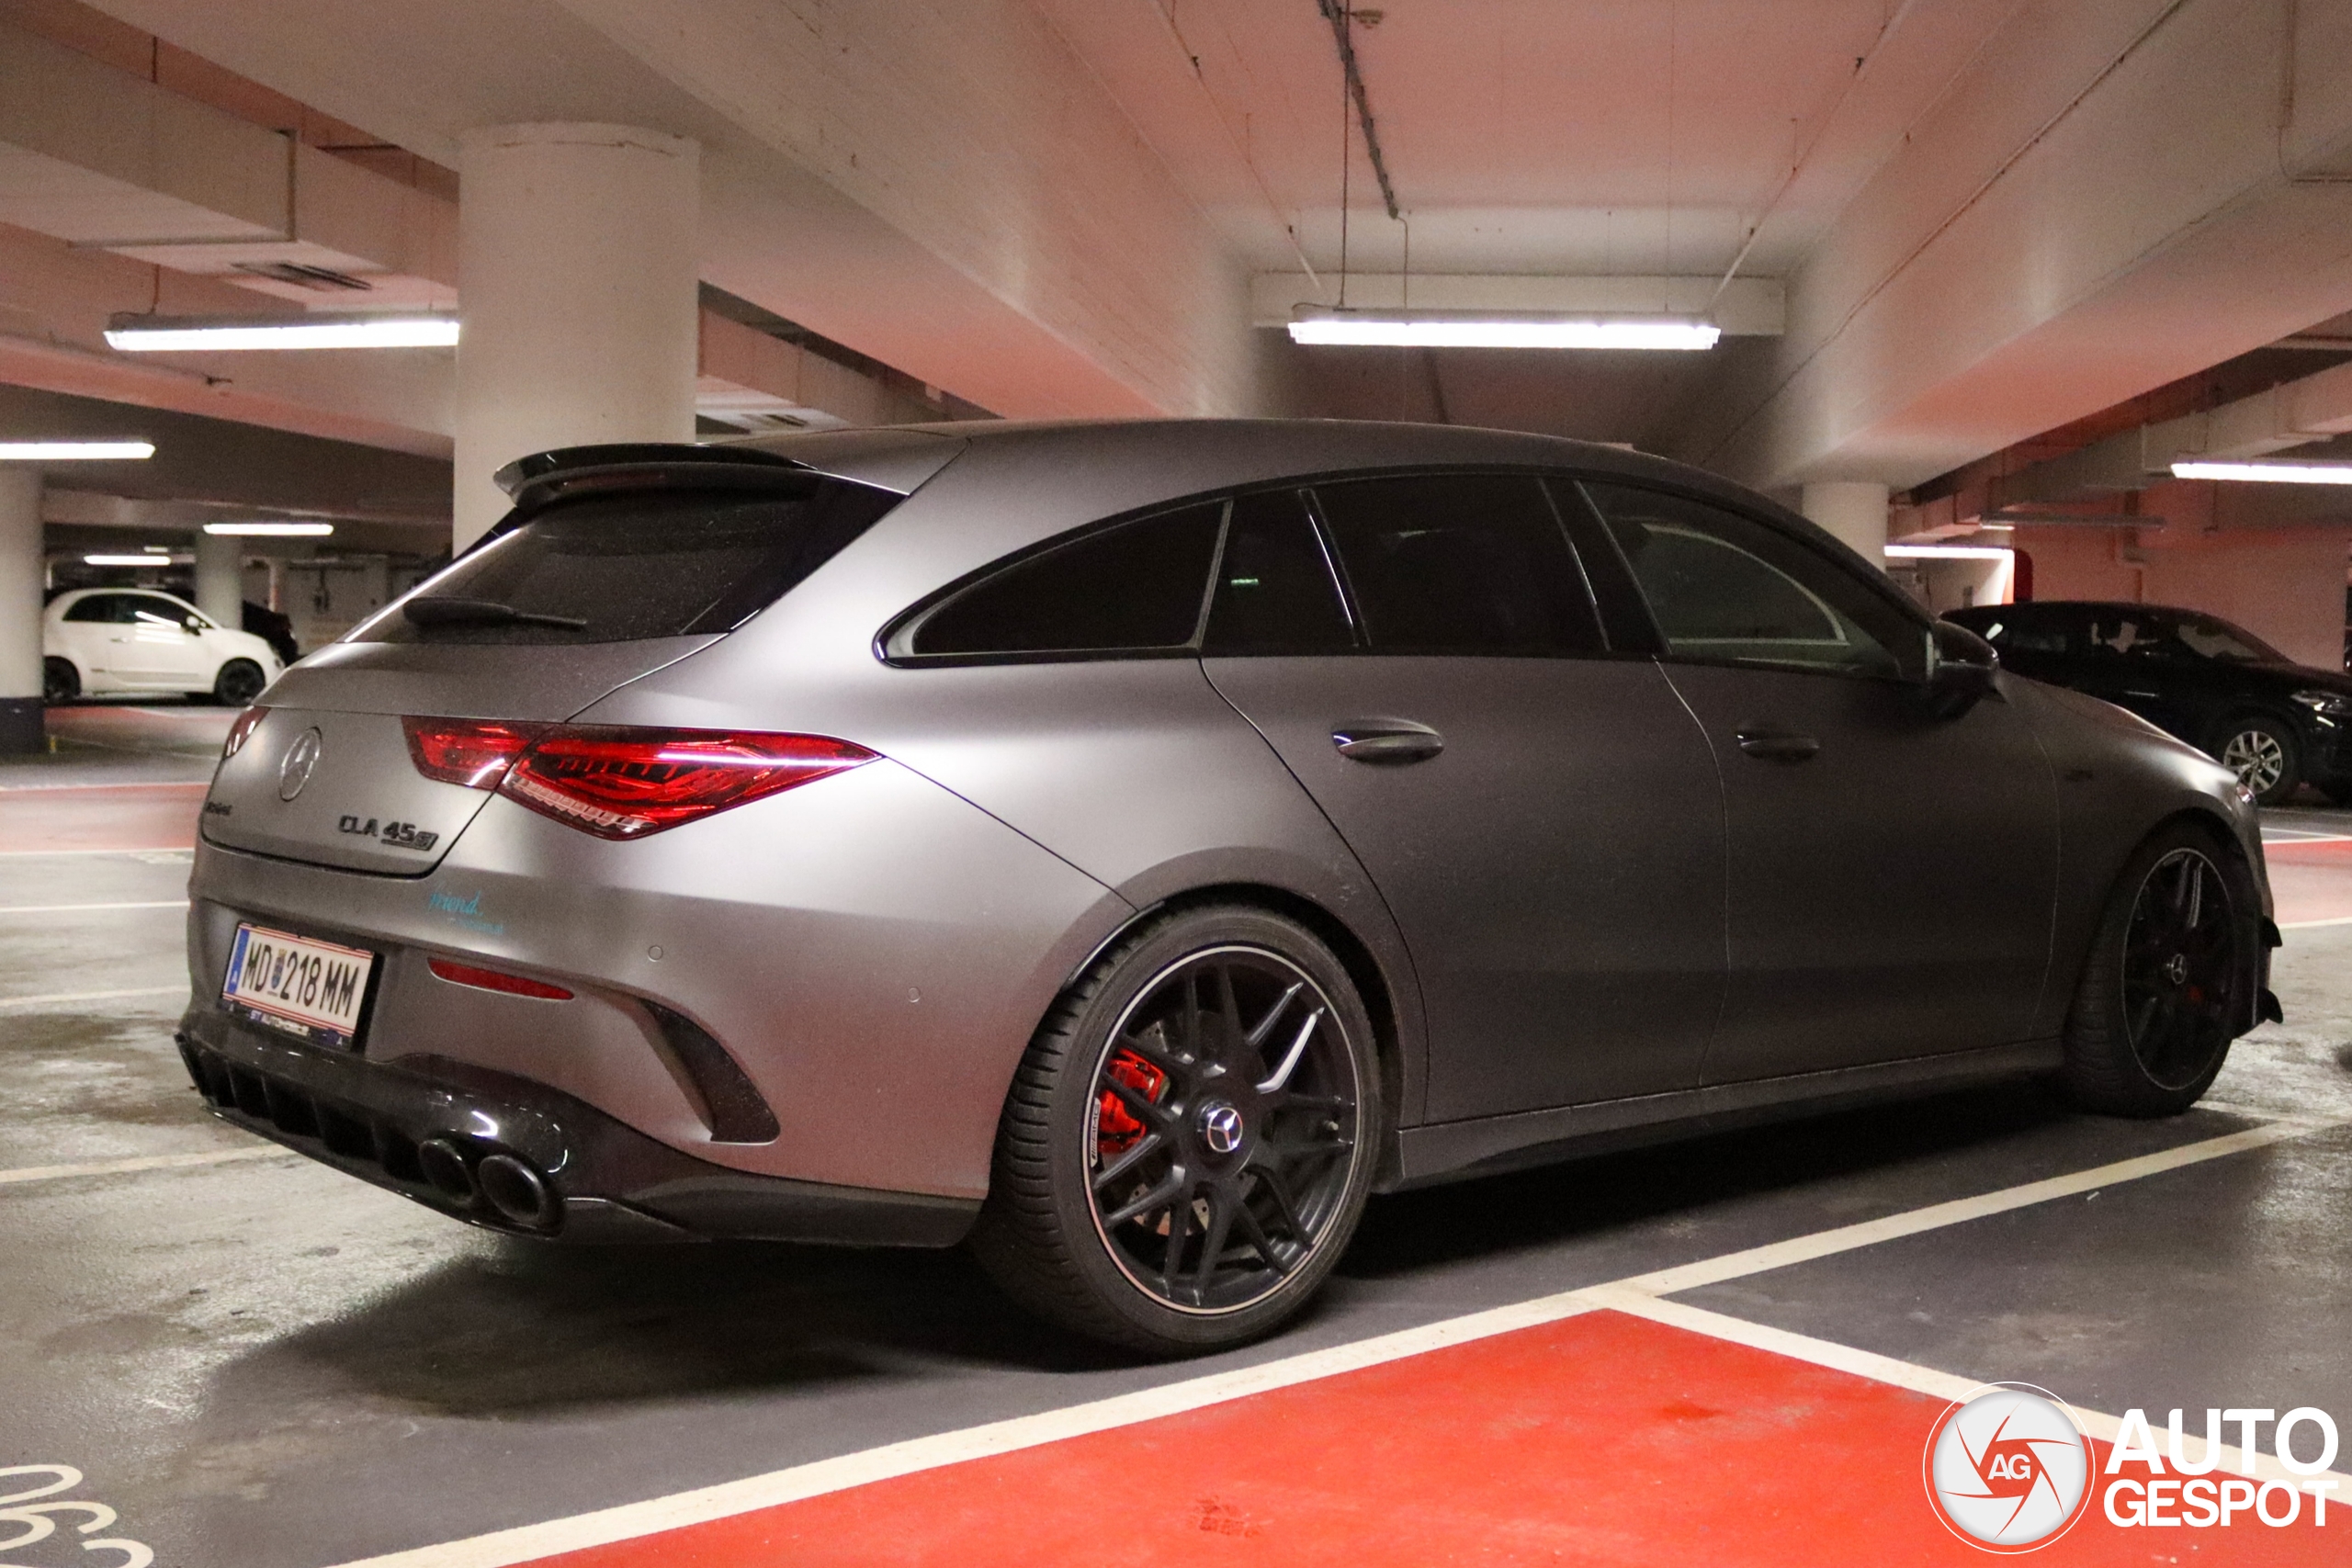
(1949, 552)
(154, 560)
(1454, 329)
(2268, 473)
(182, 334)
(269, 530)
(76, 451)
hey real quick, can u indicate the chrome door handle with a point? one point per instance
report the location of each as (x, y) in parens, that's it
(1386, 740)
(1778, 745)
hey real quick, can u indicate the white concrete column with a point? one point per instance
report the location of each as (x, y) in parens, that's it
(221, 579)
(21, 607)
(1854, 509)
(577, 267)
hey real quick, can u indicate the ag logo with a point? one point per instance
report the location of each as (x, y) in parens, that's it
(2009, 1469)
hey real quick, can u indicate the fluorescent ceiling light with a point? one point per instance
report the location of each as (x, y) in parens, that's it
(160, 334)
(74, 451)
(1950, 552)
(2271, 473)
(270, 530)
(132, 560)
(1454, 329)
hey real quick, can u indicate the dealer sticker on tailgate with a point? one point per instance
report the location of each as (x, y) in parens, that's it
(297, 984)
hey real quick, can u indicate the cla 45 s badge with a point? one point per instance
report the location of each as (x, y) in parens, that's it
(395, 835)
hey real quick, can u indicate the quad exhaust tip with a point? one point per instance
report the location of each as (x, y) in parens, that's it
(517, 1191)
(444, 1167)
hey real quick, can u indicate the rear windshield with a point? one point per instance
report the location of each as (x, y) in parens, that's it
(627, 567)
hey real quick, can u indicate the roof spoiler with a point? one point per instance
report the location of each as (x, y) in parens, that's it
(544, 477)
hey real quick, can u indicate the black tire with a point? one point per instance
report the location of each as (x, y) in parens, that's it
(2263, 753)
(2170, 980)
(1173, 1041)
(238, 684)
(60, 682)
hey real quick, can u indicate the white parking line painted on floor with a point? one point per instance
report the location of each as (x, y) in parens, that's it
(2302, 836)
(136, 1163)
(135, 784)
(64, 998)
(82, 909)
(2315, 925)
(1887, 1369)
(1892, 1227)
(524, 1543)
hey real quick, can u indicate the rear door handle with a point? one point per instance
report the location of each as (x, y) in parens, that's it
(1778, 745)
(1386, 740)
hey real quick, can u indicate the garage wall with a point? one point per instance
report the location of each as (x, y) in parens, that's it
(2285, 585)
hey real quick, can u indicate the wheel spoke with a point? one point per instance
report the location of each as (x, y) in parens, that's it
(1180, 1225)
(1172, 1190)
(1147, 1110)
(1228, 1007)
(1143, 1148)
(1269, 1181)
(1265, 1026)
(1154, 1053)
(1212, 1235)
(1281, 1075)
(1256, 1235)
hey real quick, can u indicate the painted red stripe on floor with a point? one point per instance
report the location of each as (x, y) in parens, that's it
(1601, 1439)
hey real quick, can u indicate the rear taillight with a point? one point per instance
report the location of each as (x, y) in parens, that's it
(623, 784)
(470, 751)
(241, 730)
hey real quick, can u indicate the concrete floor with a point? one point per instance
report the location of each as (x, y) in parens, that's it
(257, 1362)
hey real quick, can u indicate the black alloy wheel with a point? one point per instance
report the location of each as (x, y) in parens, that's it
(2167, 986)
(60, 682)
(1190, 1140)
(239, 683)
(2262, 752)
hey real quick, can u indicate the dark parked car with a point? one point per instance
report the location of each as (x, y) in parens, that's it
(2275, 723)
(1129, 846)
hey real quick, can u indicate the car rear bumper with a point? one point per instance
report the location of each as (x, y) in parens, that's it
(604, 1182)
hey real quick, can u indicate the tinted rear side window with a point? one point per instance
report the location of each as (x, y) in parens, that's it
(1274, 590)
(1135, 586)
(1459, 563)
(669, 564)
(102, 607)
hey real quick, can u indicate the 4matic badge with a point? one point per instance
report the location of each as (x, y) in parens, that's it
(394, 835)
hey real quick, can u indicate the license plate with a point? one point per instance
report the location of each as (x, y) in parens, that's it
(297, 984)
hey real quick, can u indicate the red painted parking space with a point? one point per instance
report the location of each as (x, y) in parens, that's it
(99, 817)
(2311, 881)
(1603, 1439)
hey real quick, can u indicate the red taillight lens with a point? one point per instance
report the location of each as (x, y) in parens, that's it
(470, 751)
(241, 730)
(494, 980)
(625, 783)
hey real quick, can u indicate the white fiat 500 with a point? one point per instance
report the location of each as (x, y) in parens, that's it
(102, 640)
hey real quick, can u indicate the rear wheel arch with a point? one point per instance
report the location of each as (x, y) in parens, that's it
(1373, 982)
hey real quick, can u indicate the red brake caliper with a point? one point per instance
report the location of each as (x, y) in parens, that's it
(1115, 1127)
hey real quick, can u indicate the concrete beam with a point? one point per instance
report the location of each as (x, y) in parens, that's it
(2115, 194)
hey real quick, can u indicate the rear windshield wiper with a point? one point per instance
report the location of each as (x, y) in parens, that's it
(441, 612)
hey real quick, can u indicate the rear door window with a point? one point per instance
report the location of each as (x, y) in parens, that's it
(1275, 593)
(102, 608)
(1137, 587)
(1459, 564)
(675, 563)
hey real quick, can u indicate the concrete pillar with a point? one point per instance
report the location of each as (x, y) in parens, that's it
(577, 268)
(221, 579)
(20, 596)
(1854, 509)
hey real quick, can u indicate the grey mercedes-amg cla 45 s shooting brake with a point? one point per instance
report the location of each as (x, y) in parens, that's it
(1127, 847)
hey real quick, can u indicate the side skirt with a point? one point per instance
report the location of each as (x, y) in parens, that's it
(1452, 1151)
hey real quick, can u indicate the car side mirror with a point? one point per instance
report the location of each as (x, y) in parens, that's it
(1960, 670)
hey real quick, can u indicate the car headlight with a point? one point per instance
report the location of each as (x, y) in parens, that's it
(2329, 705)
